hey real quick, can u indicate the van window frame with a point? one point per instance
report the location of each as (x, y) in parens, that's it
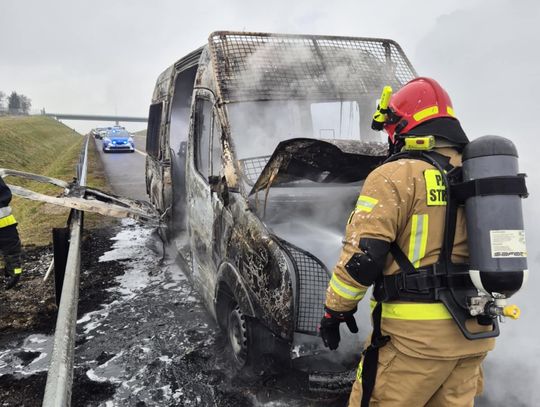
(153, 132)
(216, 145)
(201, 98)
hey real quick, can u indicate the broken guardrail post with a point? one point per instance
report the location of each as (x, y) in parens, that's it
(60, 253)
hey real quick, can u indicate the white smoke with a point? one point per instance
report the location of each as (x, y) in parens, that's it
(487, 59)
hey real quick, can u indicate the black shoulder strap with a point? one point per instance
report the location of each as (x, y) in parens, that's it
(427, 156)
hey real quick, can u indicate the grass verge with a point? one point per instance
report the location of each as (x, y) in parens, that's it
(47, 147)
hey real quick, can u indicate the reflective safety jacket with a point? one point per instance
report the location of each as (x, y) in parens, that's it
(6, 218)
(404, 201)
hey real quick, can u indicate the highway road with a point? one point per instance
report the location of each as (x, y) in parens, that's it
(125, 171)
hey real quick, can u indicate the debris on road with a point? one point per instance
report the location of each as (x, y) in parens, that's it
(85, 198)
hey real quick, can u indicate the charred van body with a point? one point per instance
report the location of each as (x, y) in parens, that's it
(258, 145)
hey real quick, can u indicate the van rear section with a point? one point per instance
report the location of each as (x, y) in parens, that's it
(167, 136)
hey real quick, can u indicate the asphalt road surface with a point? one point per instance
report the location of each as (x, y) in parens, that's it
(125, 171)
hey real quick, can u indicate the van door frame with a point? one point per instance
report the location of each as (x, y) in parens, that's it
(201, 204)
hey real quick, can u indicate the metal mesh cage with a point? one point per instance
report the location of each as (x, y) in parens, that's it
(253, 167)
(311, 281)
(255, 66)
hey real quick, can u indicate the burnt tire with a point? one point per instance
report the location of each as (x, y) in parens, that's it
(249, 345)
(238, 336)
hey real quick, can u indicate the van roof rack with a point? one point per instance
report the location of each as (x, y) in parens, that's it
(263, 66)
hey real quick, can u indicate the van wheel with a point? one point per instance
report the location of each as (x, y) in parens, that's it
(238, 335)
(250, 346)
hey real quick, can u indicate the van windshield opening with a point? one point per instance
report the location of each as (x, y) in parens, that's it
(258, 127)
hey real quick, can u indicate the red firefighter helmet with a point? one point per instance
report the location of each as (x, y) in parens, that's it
(418, 101)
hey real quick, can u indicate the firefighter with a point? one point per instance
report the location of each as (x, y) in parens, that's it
(417, 354)
(10, 244)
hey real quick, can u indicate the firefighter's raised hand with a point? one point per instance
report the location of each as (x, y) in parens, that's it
(329, 329)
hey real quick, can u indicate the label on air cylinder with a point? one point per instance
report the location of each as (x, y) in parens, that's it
(507, 243)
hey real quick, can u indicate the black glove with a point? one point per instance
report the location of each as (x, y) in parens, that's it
(329, 329)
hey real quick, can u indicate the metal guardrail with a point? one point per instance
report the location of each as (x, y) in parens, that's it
(96, 117)
(60, 375)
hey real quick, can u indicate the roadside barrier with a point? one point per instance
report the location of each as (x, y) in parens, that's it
(60, 374)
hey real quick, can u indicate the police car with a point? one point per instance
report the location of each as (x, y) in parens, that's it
(118, 140)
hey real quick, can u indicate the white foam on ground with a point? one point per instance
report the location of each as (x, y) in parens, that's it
(10, 362)
(129, 243)
(130, 247)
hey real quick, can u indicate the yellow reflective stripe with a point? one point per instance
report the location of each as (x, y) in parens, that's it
(428, 111)
(450, 111)
(414, 311)
(418, 242)
(7, 221)
(346, 291)
(363, 208)
(359, 370)
(366, 203)
(17, 271)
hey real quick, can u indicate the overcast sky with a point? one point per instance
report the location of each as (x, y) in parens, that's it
(103, 57)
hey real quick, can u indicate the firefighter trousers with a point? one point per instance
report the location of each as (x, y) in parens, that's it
(10, 248)
(403, 380)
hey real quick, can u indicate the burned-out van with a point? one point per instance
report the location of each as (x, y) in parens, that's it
(258, 145)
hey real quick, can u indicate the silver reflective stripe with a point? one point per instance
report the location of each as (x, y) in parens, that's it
(418, 242)
(366, 203)
(5, 211)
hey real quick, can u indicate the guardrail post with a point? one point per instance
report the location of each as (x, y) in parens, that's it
(60, 253)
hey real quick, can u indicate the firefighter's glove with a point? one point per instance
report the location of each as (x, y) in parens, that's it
(12, 277)
(329, 329)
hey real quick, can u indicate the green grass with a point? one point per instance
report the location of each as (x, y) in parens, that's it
(47, 147)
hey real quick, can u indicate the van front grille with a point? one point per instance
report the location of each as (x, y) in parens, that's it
(312, 279)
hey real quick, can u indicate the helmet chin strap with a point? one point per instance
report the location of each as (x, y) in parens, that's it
(394, 148)
(400, 126)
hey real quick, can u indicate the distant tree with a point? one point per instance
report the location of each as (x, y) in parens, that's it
(2, 96)
(14, 103)
(26, 103)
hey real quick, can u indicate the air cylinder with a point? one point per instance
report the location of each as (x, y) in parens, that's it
(496, 236)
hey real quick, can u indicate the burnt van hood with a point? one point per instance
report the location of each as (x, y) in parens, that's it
(323, 161)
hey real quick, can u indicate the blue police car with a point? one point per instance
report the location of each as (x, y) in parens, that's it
(118, 140)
